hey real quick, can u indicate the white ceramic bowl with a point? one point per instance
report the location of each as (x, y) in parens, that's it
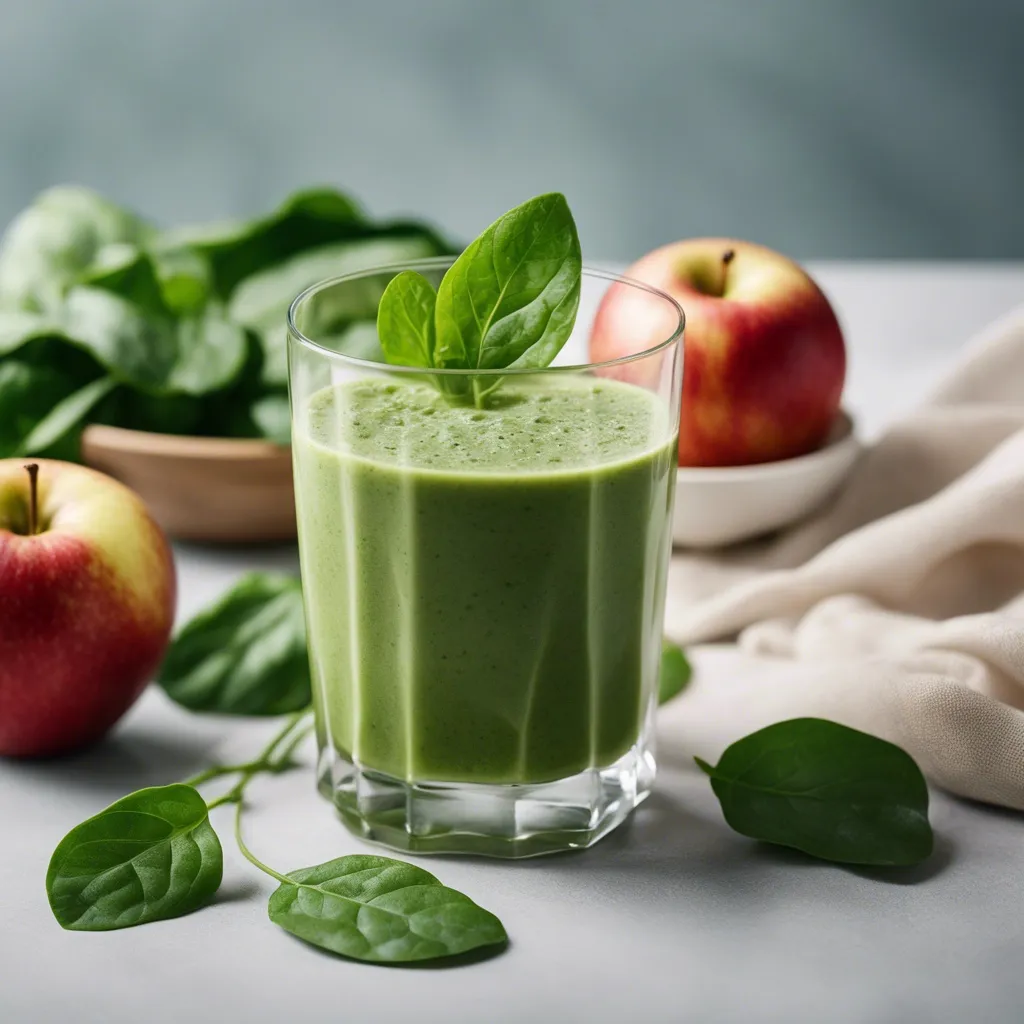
(716, 506)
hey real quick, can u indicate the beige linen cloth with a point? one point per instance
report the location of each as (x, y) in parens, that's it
(898, 609)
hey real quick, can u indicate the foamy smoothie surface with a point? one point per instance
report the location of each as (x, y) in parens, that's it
(564, 424)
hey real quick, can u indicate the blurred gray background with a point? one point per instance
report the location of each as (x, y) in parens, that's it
(866, 128)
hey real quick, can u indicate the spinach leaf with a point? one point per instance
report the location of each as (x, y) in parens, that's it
(148, 857)
(185, 276)
(511, 298)
(228, 413)
(155, 353)
(161, 414)
(381, 910)
(237, 249)
(67, 417)
(46, 389)
(165, 282)
(675, 672)
(27, 393)
(51, 243)
(118, 335)
(359, 340)
(356, 338)
(193, 355)
(210, 353)
(405, 320)
(261, 301)
(19, 328)
(830, 791)
(273, 418)
(125, 270)
(245, 655)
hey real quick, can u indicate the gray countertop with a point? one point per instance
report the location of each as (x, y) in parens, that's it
(672, 918)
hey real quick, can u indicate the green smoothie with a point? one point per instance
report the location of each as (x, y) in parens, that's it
(484, 588)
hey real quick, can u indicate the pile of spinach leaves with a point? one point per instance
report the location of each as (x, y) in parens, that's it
(105, 318)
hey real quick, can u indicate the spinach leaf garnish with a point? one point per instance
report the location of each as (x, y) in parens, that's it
(405, 320)
(510, 300)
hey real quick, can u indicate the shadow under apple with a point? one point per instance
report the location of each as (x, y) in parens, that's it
(123, 761)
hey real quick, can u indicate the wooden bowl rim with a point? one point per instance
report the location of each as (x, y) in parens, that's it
(145, 442)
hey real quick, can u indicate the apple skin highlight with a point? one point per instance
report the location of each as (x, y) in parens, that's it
(86, 607)
(764, 357)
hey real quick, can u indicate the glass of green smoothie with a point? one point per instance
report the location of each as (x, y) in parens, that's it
(484, 556)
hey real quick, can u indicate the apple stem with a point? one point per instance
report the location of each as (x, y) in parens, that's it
(727, 257)
(33, 498)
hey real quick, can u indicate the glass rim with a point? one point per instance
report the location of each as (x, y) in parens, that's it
(438, 262)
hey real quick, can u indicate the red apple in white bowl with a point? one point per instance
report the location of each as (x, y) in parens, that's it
(764, 359)
(87, 592)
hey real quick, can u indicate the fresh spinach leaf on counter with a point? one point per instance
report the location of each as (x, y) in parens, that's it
(245, 655)
(150, 856)
(154, 854)
(833, 792)
(675, 672)
(381, 910)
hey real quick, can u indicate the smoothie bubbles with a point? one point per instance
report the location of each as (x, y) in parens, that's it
(484, 531)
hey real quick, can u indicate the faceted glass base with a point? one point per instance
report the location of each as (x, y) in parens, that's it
(494, 821)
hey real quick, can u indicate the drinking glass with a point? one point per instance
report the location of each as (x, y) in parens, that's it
(484, 557)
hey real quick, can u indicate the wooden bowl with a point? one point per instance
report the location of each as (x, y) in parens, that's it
(201, 488)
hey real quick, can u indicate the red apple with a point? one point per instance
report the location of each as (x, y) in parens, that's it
(87, 591)
(764, 358)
